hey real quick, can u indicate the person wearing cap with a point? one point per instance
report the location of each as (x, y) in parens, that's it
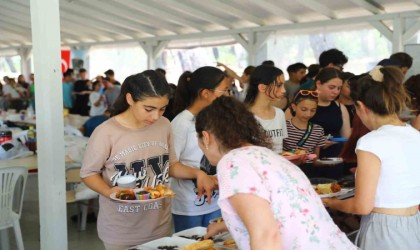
(110, 74)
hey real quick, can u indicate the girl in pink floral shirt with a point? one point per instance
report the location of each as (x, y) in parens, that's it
(266, 201)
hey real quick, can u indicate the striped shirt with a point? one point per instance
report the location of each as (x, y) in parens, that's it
(315, 139)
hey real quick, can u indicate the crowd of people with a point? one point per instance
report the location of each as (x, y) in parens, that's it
(221, 154)
(219, 148)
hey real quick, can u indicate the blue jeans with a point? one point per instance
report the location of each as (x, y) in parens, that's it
(183, 222)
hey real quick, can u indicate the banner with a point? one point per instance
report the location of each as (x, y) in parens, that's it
(65, 60)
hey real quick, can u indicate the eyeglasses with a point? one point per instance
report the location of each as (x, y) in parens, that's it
(313, 93)
(227, 92)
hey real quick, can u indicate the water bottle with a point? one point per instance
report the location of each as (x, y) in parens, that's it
(31, 141)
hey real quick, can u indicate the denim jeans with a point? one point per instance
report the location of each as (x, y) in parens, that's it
(183, 222)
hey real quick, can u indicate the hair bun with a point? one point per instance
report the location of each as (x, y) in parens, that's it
(377, 74)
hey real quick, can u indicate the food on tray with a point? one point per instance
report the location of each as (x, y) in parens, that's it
(126, 195)
(294, 152)
(230, 243)
(328, 188)
(159, 191)
(201, 245)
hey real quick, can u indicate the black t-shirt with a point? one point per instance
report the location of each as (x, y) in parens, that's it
(81, 102)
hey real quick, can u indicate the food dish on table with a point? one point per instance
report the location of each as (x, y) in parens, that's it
(174, 243)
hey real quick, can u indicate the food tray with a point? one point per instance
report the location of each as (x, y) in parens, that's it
(113, 197)
(196, 232)
(330, 161)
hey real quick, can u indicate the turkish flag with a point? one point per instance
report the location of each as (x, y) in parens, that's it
(65, 60)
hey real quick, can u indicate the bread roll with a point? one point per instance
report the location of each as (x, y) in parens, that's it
(202, 245)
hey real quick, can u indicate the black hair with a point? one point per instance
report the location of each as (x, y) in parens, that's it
(109, 72)
(404, 59)
(295, 67)
(190, 86)
(82, 70)
(333, 56)
(345, 76)
(412, 86)
(327, 74)
(162, 71)
(262, 74)
(232, 124)
(145, 84)
(94, 83)
(249, 69)
(268, 63)
(384, 97)
(67, 73)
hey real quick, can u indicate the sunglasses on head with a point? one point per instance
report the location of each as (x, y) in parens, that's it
(313, 93)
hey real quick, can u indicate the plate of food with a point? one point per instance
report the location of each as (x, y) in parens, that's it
(338, 139)
(167, 243)
(329, 190)
(329, 160)
(295, 154)
(140, 195)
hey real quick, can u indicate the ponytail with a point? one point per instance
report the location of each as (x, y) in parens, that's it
(381, 90)
(182, 98)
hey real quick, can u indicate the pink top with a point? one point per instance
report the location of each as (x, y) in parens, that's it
(303, 221)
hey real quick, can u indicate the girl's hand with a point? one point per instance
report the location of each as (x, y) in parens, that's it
(205, 185)
(214, 229)
(326, 201)
(116, 189)
(329, 143)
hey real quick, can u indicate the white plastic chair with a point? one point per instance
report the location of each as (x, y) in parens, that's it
(70, 130)
(73, 178)
(12, 188)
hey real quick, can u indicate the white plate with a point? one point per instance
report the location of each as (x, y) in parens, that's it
(342, 191)
(167, 241)
(113, 197)
(201, 231)
(330, 161)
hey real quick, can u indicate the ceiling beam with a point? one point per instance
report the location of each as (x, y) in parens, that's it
(133, 15)
(276, 10)
(318, 7)
(146, 8)
(110, 20)
(196, 12)
(410, 32)
(417, 2)
(294, 26)
(370, 6)
(77, 18)
(382, 28)
(234, 10)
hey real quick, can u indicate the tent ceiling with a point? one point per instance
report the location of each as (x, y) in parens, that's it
(85, 22)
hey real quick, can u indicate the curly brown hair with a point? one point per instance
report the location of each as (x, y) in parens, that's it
(232, 124)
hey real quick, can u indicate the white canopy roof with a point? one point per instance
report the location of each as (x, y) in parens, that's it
(85, 22)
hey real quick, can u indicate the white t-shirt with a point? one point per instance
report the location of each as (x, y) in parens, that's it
(7, 89)
(276, 128)
(96, 110)
(188, 153)
(398, 148)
